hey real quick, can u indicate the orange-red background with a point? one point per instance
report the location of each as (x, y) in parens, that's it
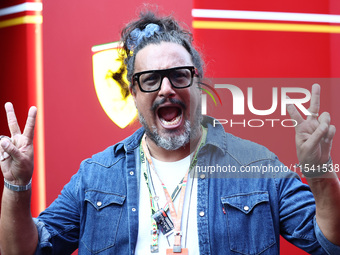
(75, 124)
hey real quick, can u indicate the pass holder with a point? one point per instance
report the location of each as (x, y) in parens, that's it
(163, 221)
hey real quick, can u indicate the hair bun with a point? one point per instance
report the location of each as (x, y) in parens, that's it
(137, 35)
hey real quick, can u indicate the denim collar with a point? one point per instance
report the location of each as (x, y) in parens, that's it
(216, 135)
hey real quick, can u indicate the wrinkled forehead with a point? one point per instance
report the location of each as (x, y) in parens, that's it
(161, 56)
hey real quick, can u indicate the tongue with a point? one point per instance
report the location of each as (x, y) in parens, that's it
(168, 113)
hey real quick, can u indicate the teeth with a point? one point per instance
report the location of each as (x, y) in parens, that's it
(172, 122)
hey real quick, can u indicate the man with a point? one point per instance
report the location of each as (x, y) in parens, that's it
(121, 201)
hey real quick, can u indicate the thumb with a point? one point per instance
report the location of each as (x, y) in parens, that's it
(9, 149)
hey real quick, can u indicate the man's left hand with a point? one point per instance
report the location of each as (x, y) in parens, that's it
(314, 135)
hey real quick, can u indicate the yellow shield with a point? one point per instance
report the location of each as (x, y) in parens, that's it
(111, 85)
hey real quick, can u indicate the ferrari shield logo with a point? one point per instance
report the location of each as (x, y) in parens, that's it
(111, 85)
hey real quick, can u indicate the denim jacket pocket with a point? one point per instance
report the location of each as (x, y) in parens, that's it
(103, 212)
(249, 222)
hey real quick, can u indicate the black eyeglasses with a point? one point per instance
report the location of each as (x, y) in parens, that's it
(179, 77)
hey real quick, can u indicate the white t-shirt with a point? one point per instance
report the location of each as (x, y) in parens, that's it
(171, 173)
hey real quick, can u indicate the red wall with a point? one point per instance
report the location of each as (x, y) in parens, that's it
(75, 124)
(21, 80)
(254, 54)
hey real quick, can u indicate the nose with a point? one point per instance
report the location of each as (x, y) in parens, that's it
(166, 89)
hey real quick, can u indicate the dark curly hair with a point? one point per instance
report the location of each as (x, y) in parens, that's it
(171, 31)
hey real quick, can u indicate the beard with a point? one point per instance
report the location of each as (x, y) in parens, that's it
(171, 140)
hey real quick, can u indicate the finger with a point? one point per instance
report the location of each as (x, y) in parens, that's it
(330, 134)
(5, 156)
(326, 145)
(325, 117)
(315, 101)
(30, 124)
(12, 120)
(294, 113)
(317, 135)
(10, 149)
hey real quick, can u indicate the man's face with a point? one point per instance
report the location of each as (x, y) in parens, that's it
(165, 113)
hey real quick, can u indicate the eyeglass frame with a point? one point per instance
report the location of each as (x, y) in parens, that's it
(165, 73)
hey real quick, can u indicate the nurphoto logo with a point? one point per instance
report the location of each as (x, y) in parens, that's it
(243, 102)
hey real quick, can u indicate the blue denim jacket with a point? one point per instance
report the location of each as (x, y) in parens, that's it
(237, 212)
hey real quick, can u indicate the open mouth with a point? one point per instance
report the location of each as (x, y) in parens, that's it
(170, 116)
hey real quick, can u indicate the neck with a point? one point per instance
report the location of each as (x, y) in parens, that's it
(175, 155)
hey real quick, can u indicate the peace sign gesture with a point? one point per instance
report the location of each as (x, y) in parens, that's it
(16, 153)
(314, 135)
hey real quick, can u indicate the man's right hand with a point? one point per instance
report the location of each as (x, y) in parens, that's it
(16, 154)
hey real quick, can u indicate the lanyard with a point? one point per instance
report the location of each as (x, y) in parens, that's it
(154, 227)
(181, 187)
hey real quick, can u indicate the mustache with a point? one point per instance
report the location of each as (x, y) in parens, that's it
(156, 104)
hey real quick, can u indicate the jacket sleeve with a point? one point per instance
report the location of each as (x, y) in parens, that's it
(58, 225)
(327, 245)
(297, 218)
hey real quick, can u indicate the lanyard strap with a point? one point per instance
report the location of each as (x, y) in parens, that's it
(166, 192)
(152, 197)
(181, 187)
(154, 227)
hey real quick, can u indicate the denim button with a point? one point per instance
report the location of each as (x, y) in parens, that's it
(246, 208)
(133, 209)
(132, 173)
(201, 214)
(99, 203)
(202, 176)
